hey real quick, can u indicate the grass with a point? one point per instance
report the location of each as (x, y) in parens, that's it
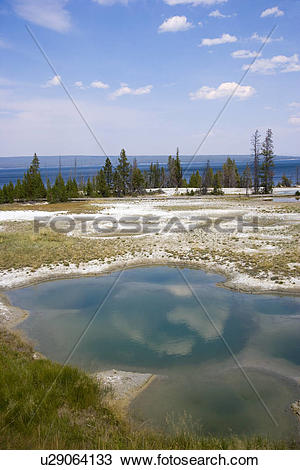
(76, 207)
(75, 414)
(24, 248)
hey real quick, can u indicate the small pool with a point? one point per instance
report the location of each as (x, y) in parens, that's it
(286, 199)
(151, 322)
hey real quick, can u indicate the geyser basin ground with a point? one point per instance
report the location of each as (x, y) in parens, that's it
(152, 323)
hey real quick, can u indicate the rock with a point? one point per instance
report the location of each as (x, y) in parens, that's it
(295, 407)
(124, 385)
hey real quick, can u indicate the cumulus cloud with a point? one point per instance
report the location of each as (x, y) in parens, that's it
(275, 11)
(224, 90)
(244, 54)
(126, 90)
(47, 13)
(194, 2)
(225, 38)
(55, 81)
(99, 84)
(218, 14)
(79, 84)
(279, 63)
(174, 24)
(294, 120)
(264, 39)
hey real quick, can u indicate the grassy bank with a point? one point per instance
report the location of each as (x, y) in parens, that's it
(20, 247)
(74, 414)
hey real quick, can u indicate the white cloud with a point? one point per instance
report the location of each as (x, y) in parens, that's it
(99, 84)
(224, 90)
(218, 14)
(174, 24)
(126, 90)
(111, 2)
(272, 12)
(279, 63)
(225, 38)
(243, 54)
(265, 39)
(79, 85)
(294, 120)
(295, 104)
(48, 13)
(194, 2)
(200, 23)
(55, 81)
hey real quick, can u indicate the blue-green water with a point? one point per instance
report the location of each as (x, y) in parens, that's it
(151, 322)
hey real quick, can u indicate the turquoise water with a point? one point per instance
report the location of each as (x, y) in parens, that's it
(152, 323)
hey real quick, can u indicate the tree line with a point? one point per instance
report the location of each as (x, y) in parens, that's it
(128, 179)
(123, 180)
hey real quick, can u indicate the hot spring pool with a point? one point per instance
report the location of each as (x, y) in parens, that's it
(152, 323)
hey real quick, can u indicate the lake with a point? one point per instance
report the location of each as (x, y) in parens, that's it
(152, 323)
(12, 168)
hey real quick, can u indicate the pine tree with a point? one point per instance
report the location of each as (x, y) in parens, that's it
(184, 183)
(267, 173)
(102, 188)
(123, 170)
(162, 178)
(10, 192)
(178, 170)
(137, 179)
(89, 188)
(195, 180)
(108, 172)
(207, 179)
(19, 190)
(217, 184)
(32, 182)
(285, 182)
(72, 188)
(246, 180)
(4, 194)
(256, 152)
(7, 194)
(231, 177)
(146, 179)
(58, 191)
(154, 176)
(49, 191)
(117, 184)
(172, 177)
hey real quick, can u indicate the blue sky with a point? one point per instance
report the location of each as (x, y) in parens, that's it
(148, 75)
